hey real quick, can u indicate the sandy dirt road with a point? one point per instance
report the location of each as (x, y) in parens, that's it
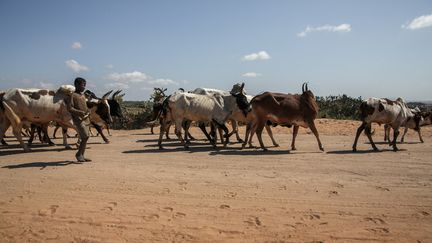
(133, 192)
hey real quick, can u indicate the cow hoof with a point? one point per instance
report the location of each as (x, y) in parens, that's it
(161, 148)
(68, 147)
(322, 149)
(265, 150)
(276, 145)
(293, 148)
(354, 150)
(51, 144)
(240, 140)
(107, 141)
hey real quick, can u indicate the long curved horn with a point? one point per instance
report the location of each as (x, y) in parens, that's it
(116, 93)
(106, 95)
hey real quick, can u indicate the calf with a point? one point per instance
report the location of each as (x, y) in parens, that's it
(382, 111)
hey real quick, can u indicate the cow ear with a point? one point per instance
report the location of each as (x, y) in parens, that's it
(380, 107)
(105, 96)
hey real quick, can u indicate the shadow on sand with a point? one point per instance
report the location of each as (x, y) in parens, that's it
(369, 151)
(19, 150)
(41, 165)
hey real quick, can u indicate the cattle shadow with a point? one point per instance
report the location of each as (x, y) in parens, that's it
(41, 165)
(369, 151)
(19, 150)
(176, 147)
(237, 151)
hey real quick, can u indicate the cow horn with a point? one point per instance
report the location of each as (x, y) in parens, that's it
(303, 87)
(106, 95)
(307, 87)
(116, 93)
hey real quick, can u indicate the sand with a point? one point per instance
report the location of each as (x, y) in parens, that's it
(133, 192)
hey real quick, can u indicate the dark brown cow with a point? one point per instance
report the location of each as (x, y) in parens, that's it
(285, 109)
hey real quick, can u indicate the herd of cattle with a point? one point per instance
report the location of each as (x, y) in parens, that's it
(37, 108)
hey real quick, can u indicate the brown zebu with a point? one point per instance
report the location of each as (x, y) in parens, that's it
(285, 109)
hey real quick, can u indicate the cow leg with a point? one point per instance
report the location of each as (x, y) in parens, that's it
(369, 135)
(163, 126)
(395, 135)
(17, 132)
(420, 136)
(221, 135)
(167, 131)
(248, 130)
(387, 133)
(44, 129)
(259, 128)
(225, 130)
(32, 133)
(403, 135)
(108, 130)
(234, 125)
(178, 127)
(91, 133)
(315, 132)
(270, 133)
(188, 135)
(151, 130)
(55, 131)
(201, 125)
(186, 125)
(295, 132)
(99, 130)
(3, 128)
(359, 131)
(65, 136)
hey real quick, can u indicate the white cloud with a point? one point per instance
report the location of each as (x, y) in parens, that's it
(76, 45)
(117, 85)
(75, 66)
(251, 75)
(133, 77)
(162, 81)
(419, 23)
(262, 55)
(110, 66)
(46, 85)
(327, 28)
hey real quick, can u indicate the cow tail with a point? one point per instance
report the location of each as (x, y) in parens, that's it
(10, 114)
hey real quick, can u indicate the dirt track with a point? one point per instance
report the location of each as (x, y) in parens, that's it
(134, 192)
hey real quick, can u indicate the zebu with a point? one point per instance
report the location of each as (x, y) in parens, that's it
(382, 111)
(285, 109)
(25, 106)
(203, 108)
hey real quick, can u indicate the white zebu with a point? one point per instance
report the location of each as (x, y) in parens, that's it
(382, 111)
(40, 106)
(204, 108)
(412, 122)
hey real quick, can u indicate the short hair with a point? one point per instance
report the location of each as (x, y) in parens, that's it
(79, 80)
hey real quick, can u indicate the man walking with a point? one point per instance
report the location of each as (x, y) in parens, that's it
(80, 116)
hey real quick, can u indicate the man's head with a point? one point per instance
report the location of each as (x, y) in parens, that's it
(80, 84)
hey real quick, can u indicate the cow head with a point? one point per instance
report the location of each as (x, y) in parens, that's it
(238, 92)
(102, 107)
(115, 108)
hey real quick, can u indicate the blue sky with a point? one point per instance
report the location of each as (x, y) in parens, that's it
(358, 48)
